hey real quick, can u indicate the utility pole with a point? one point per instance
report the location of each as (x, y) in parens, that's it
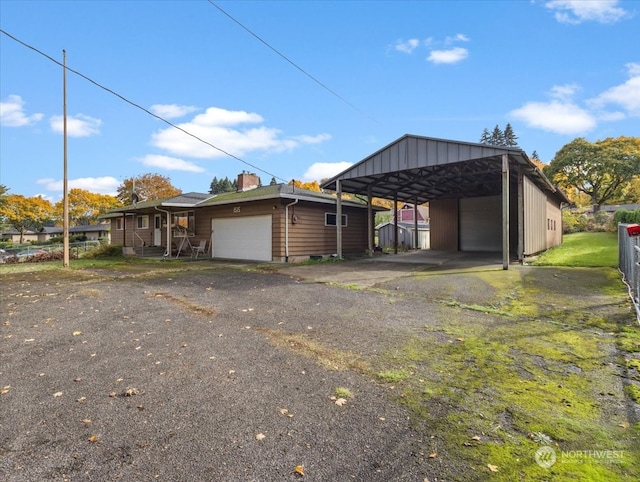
(65, 198)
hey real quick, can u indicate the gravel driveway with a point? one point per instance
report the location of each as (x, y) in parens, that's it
(197, 376)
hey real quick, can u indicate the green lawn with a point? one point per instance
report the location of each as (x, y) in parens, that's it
(583, 249)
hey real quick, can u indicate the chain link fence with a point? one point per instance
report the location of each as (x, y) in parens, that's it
(629, 263)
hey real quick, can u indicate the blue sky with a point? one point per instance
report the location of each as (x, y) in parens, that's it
(365, 73)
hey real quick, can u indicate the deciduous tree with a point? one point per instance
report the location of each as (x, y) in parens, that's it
(85, 207)
(601, 170)
(26, 213)
(148, 187)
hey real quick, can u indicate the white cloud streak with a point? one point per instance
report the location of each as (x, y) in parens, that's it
(172, 111)
(578, 11)
(450, 56)
(170, 163)
(625, 96)
(79, 125)
(12, 113)
(324, 170)
(407, 47)
(228, 131)
(100, 185)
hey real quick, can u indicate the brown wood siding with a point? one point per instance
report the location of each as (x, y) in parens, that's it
(309, 236)
(444, 224)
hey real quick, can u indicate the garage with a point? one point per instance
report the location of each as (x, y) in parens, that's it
(247, 238)
(481, 224)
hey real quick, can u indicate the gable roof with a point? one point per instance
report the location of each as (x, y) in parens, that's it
(426, 168)
(196, 200)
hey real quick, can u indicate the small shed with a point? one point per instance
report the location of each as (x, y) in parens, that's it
(406, 235)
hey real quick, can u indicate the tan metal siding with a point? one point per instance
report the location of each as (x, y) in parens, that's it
(554, 228)
(444, 224)
(535, 218)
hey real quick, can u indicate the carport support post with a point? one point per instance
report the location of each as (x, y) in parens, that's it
(395, 222)
(370, 227)
(520, 215)
(339, 218)
(505, 211)
(415, 224)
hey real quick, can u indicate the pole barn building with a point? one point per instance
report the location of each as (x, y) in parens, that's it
(481, 197)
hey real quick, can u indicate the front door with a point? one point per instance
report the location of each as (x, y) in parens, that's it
(157, 230)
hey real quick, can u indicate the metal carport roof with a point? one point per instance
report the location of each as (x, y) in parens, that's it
(424, 168)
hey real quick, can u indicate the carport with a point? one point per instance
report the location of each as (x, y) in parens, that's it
(477, 193)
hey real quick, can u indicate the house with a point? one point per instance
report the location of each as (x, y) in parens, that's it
(47, 233)
(481, 197)
(411, 221)
(279, 223)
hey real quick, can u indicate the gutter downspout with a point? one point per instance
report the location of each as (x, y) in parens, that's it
(167, 253)
(286, 230)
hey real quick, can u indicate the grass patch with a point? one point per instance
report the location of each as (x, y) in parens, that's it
(343, 392)
(393, 376)
(583, 249)
(633, 391)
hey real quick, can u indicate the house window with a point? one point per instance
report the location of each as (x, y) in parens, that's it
(184, 222)
(119, 224)
(142, 222)
(330, 219)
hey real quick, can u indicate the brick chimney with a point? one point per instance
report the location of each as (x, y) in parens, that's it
(247, 181)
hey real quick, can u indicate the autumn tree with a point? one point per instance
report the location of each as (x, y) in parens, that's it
(86, 207)
(148, 187)
(602, 170)
(309, 186)
(26, 213)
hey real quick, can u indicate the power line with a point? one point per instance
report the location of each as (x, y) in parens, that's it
(321, 84)
(138, 106)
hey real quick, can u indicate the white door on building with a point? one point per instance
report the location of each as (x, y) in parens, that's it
(157, 229)
(246, 237)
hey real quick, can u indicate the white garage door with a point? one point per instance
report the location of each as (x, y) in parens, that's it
(242, 238)
(481, 224)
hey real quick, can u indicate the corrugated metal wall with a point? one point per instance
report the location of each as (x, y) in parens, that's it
(535, 218)
(481, 224)
(444, 224)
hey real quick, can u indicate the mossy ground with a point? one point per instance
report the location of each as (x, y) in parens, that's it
(539, 355)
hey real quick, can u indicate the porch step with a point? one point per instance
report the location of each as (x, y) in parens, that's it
(149, 251)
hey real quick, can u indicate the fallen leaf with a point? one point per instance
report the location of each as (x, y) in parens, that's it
(624, 425)
(112, 394)
(130, 392)
(340, 401)
(299, 470)
(260, 436)
(284, 411)
(30, 339)
(81, 399)
(460, 339)
(86, 421)
(5, 389)
(93, 438)
(477, 437)
(57, 394)
(77, 332)
(492, 468)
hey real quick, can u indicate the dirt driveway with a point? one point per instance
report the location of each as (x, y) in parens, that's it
(206, 372)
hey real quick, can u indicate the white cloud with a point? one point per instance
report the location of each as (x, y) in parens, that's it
(578, 11)
(172, 111)
(79, 125)
(561, 117)
(460, 37)
(324, 170)
(625, 96)
(99, 185)
(450, 56)
(227, 131)
(408, 46)
(12, 113)
(170, 163)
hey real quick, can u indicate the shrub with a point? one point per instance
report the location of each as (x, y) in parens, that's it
(105, 251)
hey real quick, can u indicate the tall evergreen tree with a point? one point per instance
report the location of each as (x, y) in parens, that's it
(485, 138)
(509, 137)
(213, 187)
(497, 137)
(273, 182)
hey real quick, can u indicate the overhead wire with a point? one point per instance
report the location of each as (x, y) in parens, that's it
(287, 59)
(138, 106)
